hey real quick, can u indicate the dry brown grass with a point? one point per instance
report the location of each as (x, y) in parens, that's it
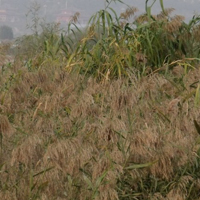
(4, 51)
(66, 137)
(174, 24)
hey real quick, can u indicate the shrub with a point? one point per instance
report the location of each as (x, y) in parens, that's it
(6, 33)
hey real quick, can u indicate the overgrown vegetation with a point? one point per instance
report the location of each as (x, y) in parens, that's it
(108, 112)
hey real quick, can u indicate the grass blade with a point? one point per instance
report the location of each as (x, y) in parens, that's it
(139, 166)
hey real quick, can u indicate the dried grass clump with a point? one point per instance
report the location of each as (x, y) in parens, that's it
(68, 156)
(129, 12)
(8, 195)
(4, 53)
(196, 32)
(85, 138)
(29, 152)
(6, 128)
(142, 19)
(176, 194)
(163, 15)
(174, 24)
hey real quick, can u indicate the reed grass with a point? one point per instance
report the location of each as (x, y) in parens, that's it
(103, 113)
(64, 136)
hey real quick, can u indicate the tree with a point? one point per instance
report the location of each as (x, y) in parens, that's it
(6, 33)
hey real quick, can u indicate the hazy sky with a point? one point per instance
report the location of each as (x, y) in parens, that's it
(183, 7)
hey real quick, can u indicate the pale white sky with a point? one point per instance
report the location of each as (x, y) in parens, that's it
(183, 7)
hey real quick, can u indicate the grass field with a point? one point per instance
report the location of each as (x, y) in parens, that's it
(111, 112)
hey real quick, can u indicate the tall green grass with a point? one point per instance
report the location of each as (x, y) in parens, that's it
(146, 42)
(113, 45)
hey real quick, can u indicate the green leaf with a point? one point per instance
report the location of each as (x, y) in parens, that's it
(100, 179)
(162, 5)
(87, 180)
(139, 166)
(43, 171)
(197, 96)
(148, 8)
